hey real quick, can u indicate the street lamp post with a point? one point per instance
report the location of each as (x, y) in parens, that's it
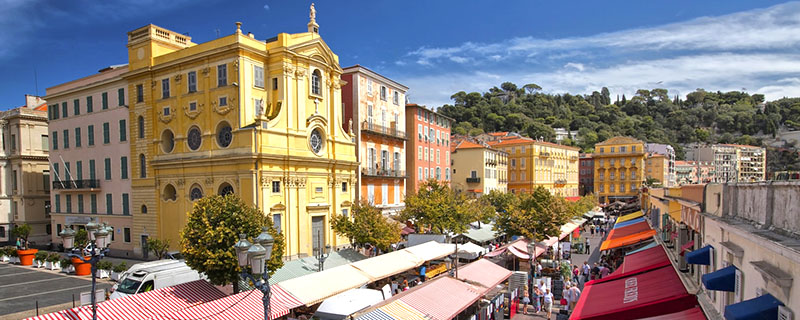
(99, 239)
(531, 251)
(256, 256)
(323, 252)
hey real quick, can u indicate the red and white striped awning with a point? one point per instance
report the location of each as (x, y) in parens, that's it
(245, 305)
(443, 298)
(144, 305)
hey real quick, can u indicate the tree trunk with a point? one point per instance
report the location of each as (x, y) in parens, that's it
(236, 286)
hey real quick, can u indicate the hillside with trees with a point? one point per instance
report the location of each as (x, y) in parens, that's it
(650, 115)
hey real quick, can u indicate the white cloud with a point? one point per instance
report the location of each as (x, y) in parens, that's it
(266, 7)
(577, 66)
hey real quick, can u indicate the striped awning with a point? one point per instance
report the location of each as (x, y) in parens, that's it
(376, 314)
(443, 298)
(520, 254)
(147, 305)
(245, 305)
(400, 310)
(484, 272)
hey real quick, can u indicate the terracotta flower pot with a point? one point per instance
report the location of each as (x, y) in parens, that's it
(26, 256)
(81, 268)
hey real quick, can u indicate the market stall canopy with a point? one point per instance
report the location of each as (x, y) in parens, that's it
(700, 256)
(495, 253)
(346, 303)
(407, 230)
(246, 305)
(146, 305)
(647, 259)
(629, 230)
(388, 264)
(628, 240)
(442, 298)
(721, 280)
(627, 223)
(300, 267)
(656, 292)
(431, 250)
(484, 272)
(647, 246)
(594, 214)
(482, 234)
(567, 228)
(395, 310)
(630, 216)
(762, 307)
(470, 251)
(518, 253)
(695, 313)
(313, 288)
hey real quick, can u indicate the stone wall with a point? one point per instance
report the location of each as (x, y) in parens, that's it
(766, 204)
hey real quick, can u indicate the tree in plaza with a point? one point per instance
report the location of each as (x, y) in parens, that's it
(22, 231)
(158, 247)
(213, 227)
(437, 207)
(368, 225)
(576, 209)
(536, 216)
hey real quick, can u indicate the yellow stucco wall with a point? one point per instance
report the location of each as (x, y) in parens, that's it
(618, 161)
(537, 163)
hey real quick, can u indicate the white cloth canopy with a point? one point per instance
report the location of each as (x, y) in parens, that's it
(470, 251)
(346, 303)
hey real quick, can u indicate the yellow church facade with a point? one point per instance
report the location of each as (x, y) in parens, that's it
(258, 118)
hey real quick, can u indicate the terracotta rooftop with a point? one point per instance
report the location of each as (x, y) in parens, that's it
(466, 144)
(619, 140)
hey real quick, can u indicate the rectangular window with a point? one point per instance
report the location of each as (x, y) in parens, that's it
(621, 185)
(419, 153)
(192, 81)
(258, 76)
(193, 106)
(123, 131)
(125, 201)
(58, 203)
(222, 75)
(45, 142)
(274, 83)
(107, 162)
(77, 137)
(46, 180)
(344, 186)
(164, 88)
(621, 150)
(612, 149)
(121, 96)
(63, 109)
(66, 139)
(80, 203)
(437, 156)
(93, 203)
(76, 107)
(90, 134)
(104, 98)
(513, 163)
(396, 98)
(369, 86)
(166, 111)
(633, 148)
(276, 186)
(419, 173)
(126, 234)
(109, 203)
(223, 101)
(276, 222)
(106, 133)
(79, 169)
(139, 93)
(69, 203)
(383, 93)
(92, 174)
(123, 167)
(426, 173)
(419, 132)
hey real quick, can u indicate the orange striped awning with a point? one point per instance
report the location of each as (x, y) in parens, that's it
(627, 240)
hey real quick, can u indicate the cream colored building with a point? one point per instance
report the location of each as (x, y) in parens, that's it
(657, 167)
(25, 187)
(733, 162)
(534, 163)
(477, 168)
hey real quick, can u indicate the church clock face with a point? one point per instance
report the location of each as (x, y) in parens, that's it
(316, 141)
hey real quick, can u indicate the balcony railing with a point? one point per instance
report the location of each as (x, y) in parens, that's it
(573, 158)
(491, 162)
(76, 184)
(379, 172)
(381, 130)
(561, 181)
(544, 154)
(473, 180)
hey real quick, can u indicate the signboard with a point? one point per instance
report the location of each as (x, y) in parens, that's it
(71, 220)
(387, 292)
(86, 297)
(558, 288)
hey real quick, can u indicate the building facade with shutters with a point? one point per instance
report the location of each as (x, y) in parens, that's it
(90, 155)
(374, 106)
(428, 146)
(619, 169)
(24, 186)
(586, 174)
(261, 119)
(478, 169)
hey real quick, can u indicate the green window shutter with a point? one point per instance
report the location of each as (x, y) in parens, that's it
(125, 210)
(105, 100)
(77, 137)
(90, 134)
(93, 203)
(89, 106)
(123, 166)
(108, 168)
(76, 107)
(55, 140)
(66, 139)
(64, 109)
(58, 203)
(92, 174)
(80, 203)
(106, 133)
(109, 203)
(121, 96)
(79, 170)
(123, 130)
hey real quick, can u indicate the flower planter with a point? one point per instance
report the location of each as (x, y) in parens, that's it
(67, 268)
(52, 265)
(14, 260)
(4, 259)
(101, 274)
(116, 276)
(81, 268)
(26, 256)
(38, 263)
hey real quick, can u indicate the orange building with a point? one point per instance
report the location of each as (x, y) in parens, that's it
(428, 146)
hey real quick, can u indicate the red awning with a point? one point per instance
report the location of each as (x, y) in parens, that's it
(647, 294)
(573, 199)
(484, 272)
(443, 298)
(518, 253)
(146, 305)
(689, 314)
(495, 253)
(245, 305)
(407, 230)
(628, 230)
(641, 261)
(687, 246)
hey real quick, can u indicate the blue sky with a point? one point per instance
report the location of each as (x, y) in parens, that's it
(437, 48)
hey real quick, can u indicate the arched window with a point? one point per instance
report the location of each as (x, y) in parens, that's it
(144, 209)
(141, 127)
(316, 82)
(170, 193)
(195, 192)
(142, 166)
(225, 189)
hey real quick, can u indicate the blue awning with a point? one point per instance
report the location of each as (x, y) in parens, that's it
(763, 307)
(700, 256)
(721, 280)
(627, 223)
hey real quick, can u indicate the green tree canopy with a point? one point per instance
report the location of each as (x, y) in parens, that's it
(367, 225)
(537, 215)
(437, 207)
(213, 227)
(158, 247)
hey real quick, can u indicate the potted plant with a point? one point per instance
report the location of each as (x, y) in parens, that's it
(104, 268)
(5, 255)
(24, 253)
(66, 265)
(81, 268)
(116, 272)
(39, 259)
(52, 261)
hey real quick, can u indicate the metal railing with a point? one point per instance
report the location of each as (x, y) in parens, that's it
(76, 184)
(380, 172)
(473, 180)
(379, 129)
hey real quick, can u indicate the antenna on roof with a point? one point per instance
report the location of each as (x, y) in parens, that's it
(36, 81)
(217, 31)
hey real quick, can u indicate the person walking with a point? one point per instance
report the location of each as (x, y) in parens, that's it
(574, 294)
(592, 229)
(587, 246)
(604, 271)
(526, 300)
(537, 299)
(548, 302)
(586, 270)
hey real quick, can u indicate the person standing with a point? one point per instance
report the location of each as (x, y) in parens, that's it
(548, 302)
(574, 295)
(587, 246)
(586, 270)
(539, 268)
(537, 299)
(422, 270)
(526, 300)
(605, 271)
(592, 229)
(575, 274)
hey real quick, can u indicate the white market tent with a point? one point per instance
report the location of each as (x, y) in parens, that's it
(470, 251)
(346, 303)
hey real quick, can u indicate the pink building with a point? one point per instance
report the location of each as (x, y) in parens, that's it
(428, 145)
(90, 155)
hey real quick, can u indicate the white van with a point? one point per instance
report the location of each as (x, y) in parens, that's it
(157, 277)
(145, 265)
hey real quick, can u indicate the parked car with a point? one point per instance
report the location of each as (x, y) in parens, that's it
(153, 278)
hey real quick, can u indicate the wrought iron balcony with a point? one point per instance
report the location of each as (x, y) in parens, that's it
(561, 181)
(76, 184)
(384, 131)
(473, 180)
(544, 154)
(379, 172)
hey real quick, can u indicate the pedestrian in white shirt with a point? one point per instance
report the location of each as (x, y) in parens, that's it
(548, 302)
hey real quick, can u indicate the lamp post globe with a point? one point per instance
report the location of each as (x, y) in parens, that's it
(531, 249)
(265, 240)
(91, 227)
(101, 236)
(241, 249)
(110, 230)
(67, 237)
(257, 256)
